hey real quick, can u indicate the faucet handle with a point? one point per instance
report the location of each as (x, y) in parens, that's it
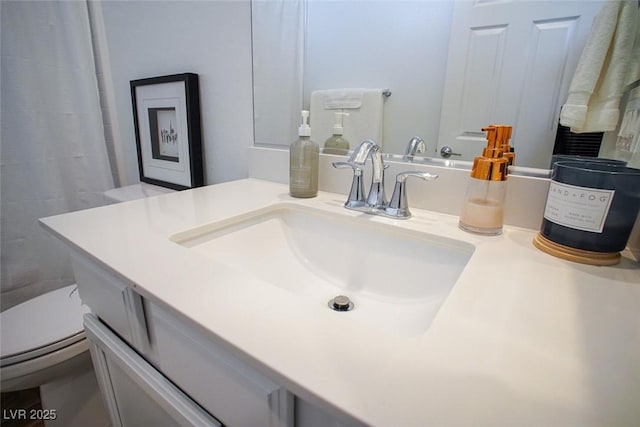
(402, 176)
(398, 206)
(356, 197)
(344, 165)
(447, 152)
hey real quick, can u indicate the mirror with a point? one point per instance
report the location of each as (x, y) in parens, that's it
(443, 88)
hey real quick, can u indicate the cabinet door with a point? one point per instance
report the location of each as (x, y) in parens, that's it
(135, 393)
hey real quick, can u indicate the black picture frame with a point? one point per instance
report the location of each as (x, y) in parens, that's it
(166, 118)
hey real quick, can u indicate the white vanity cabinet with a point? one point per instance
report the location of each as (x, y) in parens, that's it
(154, 368)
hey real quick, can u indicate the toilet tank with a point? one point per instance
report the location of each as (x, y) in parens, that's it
(134, 192)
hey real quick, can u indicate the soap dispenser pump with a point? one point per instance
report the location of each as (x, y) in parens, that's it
(503, 135)
(483, 209)
(337, 144)
(303, 162)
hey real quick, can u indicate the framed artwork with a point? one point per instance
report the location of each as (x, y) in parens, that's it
(166, 117)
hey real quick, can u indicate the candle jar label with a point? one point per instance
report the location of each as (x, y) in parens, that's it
(580, 208)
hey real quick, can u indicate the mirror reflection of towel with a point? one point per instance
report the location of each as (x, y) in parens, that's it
(629, 131)
(628, 139)
(365, 119)
(594, 96)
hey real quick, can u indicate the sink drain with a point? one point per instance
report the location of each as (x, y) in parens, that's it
(341, 303)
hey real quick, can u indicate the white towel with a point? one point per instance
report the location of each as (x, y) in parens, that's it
(594, 96)
(365, 119)
(633, 73)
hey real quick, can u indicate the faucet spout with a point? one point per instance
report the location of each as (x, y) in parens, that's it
(362, 152)
(415, 146)
(368, 148)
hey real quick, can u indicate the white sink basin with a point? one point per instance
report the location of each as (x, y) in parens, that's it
(397, 278)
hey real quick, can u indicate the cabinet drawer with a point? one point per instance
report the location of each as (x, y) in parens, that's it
(237, 394)
(112, 301)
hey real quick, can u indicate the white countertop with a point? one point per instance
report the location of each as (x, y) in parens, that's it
(523, 338)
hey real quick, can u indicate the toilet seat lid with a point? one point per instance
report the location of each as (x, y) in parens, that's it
(41, 322)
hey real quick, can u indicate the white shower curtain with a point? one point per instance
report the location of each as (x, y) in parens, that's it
(53, 154)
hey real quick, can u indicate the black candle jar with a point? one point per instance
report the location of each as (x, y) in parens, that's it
(584, 159)
(591, 206)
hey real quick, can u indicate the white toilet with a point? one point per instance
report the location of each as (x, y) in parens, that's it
(134, 192)
(37, 342)
(43, 345)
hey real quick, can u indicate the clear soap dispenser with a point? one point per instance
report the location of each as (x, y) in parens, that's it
(336, 144)
(483, 209)
(303, 162)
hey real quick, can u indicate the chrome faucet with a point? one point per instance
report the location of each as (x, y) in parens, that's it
(376, 201)
(415, 146)
(367, 148)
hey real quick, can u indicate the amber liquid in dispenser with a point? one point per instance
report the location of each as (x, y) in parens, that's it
(483, 209)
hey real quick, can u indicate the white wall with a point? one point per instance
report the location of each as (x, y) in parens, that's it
(209, 38)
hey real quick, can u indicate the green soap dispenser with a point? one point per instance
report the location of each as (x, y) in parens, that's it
(303, 162)
(336, 144)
